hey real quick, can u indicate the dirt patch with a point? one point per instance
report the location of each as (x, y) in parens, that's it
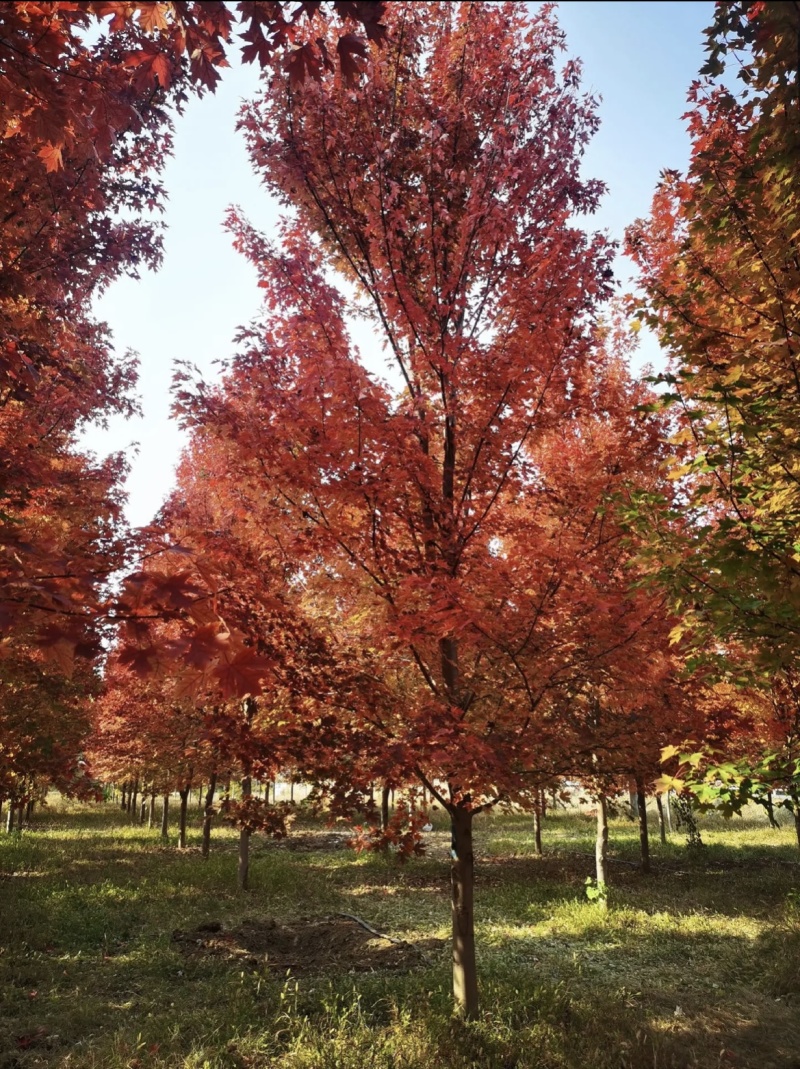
(314, 840)
(306, 946)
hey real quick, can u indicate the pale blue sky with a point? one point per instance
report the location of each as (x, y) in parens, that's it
(639, 56)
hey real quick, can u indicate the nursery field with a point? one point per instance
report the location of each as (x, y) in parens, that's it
(121, 952)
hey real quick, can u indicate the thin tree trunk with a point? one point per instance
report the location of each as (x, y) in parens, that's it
(291, 790)
(662, 828)
(143, 807)
(601, 851)
(668, 810)
(165, 816)
(384, 808)
(124, 797)
(244, 843)
(29, 811)
(633, 798)
(771, 811)
(462, 875)
(2, 800)
(133, 797)
(151, 810)
(537, 822)
(797, 824)
(184, 795)
(208, 814)
(644, 838)
(10, 817)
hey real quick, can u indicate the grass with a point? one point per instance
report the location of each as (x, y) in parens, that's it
(696, 965)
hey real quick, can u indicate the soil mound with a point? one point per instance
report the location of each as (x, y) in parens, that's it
(306, 946)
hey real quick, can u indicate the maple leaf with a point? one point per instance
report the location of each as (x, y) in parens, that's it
(52, 156)
(242, 674)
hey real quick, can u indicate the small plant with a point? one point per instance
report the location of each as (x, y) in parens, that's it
(596, 892)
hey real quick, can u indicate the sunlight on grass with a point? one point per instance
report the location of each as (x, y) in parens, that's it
(705, 949)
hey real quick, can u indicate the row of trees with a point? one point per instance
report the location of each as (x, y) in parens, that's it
(479, 558)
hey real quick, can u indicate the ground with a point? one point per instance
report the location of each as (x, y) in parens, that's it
(119, 951)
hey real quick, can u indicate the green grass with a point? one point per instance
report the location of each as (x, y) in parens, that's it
(695, 965)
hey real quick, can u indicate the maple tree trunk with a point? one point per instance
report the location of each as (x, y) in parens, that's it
(462, 876)
(165, 816)
(384, 809)
(244, 842)
(644, 839)
(537, 824)
(29, 811)
(662, 827)
(184, 796)
(771, 811)
(797, 825)
(151, 810)
(133, 797)
(291, 790)
(124, 797)
(143, 808)
(633, 798)
(601, 849)
(10, 818)
(208, 814)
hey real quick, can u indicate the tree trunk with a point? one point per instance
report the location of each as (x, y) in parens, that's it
(151, 810)
(133, 797)
(291, 790)
(644, 839)
(537, 823)
(10, 817)
(143, 808)
(601, 851)
(796, 824)
(462, 875)
(29, 811)
(1, 809)
(244, 842)
(200, 797)
(124, 797)
(165, 817)
(662, 828)
(633, 798)
(668, 811)
(384, 808)
(208, 814)
(184, 795)
(771, 811)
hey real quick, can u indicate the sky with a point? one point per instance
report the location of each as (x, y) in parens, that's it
(639, 57)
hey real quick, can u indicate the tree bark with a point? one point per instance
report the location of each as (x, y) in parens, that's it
(124, 797)
(633, 798)
(208, 814)
(384, 808)
(797, 824)
(644, 838)
(133, 796)
(151, 810)
(10, 817)
(29, 811)
(537, 823)
(462, 876)
(143, 807)
(601, 850)
(662, 828)
(243, 874)
(165, 816)
(291, 790)
(771, 811)
(184, 795)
